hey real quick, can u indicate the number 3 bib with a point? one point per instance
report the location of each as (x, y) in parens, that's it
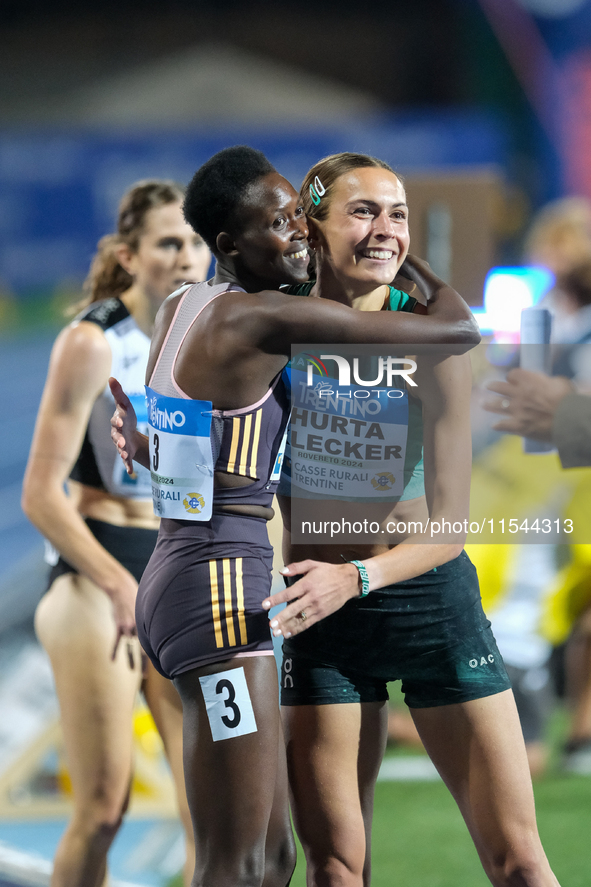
(181, 461)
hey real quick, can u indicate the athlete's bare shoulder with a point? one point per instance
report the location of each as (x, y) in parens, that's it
(245, 316)
(259, 305)
(241, 300)
(81, 344)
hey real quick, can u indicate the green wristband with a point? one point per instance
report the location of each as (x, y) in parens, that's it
(364, 577)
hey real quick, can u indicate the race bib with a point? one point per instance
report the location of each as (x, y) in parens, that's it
(228, 704)
(345, 441)
(181, 462)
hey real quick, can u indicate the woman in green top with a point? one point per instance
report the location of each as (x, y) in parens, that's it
(395, 610)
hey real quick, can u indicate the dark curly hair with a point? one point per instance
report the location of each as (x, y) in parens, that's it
(217, 188)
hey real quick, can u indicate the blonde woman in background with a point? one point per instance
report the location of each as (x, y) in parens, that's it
(103, 526)
(560, 239)
(560, 235)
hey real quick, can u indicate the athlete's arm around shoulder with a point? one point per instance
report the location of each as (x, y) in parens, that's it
(78, 371)
(448, 315)
(274, 321)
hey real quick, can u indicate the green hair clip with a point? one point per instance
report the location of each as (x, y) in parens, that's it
(317, 190)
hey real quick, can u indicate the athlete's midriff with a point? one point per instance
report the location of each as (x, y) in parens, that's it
(104, 506)
(406, 512)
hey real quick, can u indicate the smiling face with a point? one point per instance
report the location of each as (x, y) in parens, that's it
(272, 243)
(364, 238)
(168, 253)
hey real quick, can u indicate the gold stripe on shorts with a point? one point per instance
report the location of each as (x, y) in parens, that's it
(228, 602)
(240, 601)
(215, 603)
(242, 468)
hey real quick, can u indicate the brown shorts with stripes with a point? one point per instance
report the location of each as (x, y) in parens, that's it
(199, 600)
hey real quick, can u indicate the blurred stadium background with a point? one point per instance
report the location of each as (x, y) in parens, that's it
(483, 105)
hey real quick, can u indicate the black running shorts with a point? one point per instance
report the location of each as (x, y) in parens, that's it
(200, 598)
(430, 632)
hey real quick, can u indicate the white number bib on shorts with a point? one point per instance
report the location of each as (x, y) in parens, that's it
(181, 460)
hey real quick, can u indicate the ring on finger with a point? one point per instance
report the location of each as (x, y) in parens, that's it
(302, 616)
(505, 403)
